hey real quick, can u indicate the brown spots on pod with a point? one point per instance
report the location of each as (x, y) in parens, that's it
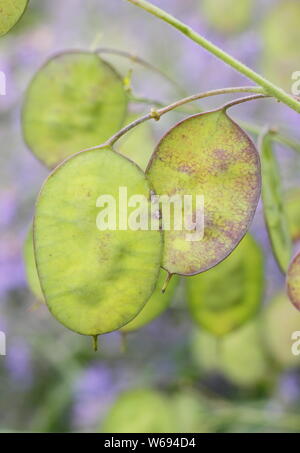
(211, 156)
(293, 281)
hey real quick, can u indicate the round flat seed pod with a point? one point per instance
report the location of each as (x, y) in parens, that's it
(226, 296)
(275, 214)
(280, 37)
(292, 204)
(280, 320)
(95, 272)
(155, 306)
(140, 411)
(74, 102)
(205, 351)
(239, 356)
(10, 13)
(228, 16)
(293, 281)
(30, 267)
(243, 359)
(192, 413)
(211, 159)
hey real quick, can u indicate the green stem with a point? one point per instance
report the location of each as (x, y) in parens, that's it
(157, 114)
(242, 100)
(270, 88)
(254, 129)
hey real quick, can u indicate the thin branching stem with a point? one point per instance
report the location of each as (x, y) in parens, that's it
(242, 100)
(269, 87)
(157, 114)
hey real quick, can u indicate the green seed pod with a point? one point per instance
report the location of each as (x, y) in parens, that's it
(155, 306)
(30, 267)
(281, 36)
(138, 144)
(94, 281)
(239, 356)
(292, 204)
(11, 12)
(274, 207)
(206, 155)
(293, 281)
(191, 413)
(75, 101)
(228, 16)
(140, 411)
(205, 351)
(226, 296)
(280, 320)
(244, 360)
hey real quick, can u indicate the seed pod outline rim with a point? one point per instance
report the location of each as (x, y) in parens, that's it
(294, 262)
(35, 76)
(53, 172)
(18, 20)
(258, 188)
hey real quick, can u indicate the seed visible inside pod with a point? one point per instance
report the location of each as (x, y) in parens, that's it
(75, 101)
(155, 306)
(225, 297)
(94, 281)
(10, 13)
(211, 156)
(293, 281)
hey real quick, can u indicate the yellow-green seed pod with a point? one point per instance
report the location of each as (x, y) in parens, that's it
(274, 207)
(11, 12)
(293, 281)
(225, 297)
(30, 267)
(280, 320)
(208, 156)
(191, 413)
(137, 144)
(239, 356)
(96, 272)
(74, 102)
(156, 305)
(140, 411)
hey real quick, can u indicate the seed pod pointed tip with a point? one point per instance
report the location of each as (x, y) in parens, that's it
(95, 342)
(166, 284)
(123, 345)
